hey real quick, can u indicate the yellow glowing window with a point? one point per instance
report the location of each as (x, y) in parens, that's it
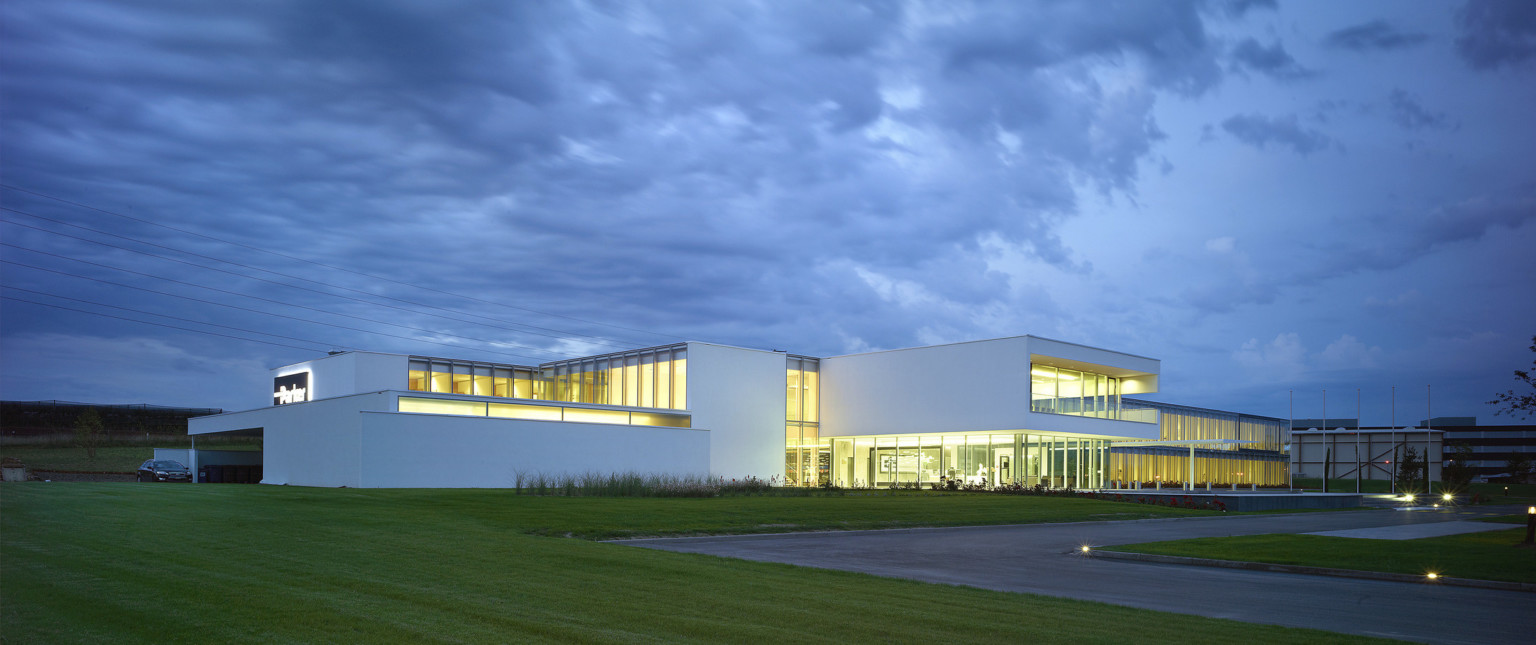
(580, 415)
(812, 394)
(664, 381)
(648, 381)
(515, 411)
(658, 419)
(632, 380)
(441, 406)
(792, 392)
(442, 380)
(680, 381)
(419, 380)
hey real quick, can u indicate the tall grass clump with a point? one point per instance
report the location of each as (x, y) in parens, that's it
(632, 484)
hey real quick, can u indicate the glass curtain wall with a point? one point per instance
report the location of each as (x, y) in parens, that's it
(1170, 465)
(648, 378)
(988, 460)
(1184, 423)
(1062, 391)
(807, 462)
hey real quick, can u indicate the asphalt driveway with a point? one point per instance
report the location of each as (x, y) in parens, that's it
(1046, 559)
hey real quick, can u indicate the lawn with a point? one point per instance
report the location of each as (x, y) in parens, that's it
(183, 563)
(1483, 556)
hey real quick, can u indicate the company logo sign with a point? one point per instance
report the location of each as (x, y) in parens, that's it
(293, 388)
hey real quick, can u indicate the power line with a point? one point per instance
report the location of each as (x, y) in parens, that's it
(267, 313)
(337, 268)
(199, 322)
(563, 335)
(146, 322)
(278, 302)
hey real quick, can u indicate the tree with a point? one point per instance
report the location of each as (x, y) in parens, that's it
(1519, 467)
(88, 432)
(1408, 471)
(1458, 470)
(1519, 404)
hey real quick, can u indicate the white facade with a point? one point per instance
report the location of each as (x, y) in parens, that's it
(362, 441)
(978, 386)
(360, 423)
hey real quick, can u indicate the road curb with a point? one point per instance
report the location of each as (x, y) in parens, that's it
(1315, 571)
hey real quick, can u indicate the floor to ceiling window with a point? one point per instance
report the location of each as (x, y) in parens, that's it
(648, 378)
(1064, 391)
(990, 460)
(806, 463)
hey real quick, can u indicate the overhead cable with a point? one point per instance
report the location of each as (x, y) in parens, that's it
(333, 267)
(563, 335)
(267, 313)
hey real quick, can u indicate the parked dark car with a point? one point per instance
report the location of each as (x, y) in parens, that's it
(164, 470)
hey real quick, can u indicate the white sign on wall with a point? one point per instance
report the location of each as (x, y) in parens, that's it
(293, 388)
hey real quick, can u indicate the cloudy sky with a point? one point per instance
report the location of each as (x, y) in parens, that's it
(1267, 196)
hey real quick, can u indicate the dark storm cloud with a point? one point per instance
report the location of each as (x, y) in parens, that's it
(1373, 35)
(1286, 131)
(1495, 33)
(722, 171)
(1270, 60)
(1408, 113)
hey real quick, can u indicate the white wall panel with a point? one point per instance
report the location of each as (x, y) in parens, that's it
(440, 451)
(738, 395)
(975, 386)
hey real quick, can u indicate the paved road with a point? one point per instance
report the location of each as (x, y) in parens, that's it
(1042, 558)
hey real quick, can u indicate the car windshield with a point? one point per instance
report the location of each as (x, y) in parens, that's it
(169, 464)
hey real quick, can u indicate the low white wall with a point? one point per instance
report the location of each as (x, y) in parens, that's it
(443, 451)
(304, 444)
(359, 441)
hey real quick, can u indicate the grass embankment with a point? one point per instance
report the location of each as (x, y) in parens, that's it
(1482, 556)
(174, 563)
(111, 459)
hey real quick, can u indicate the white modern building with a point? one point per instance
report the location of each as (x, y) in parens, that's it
(1011, 410)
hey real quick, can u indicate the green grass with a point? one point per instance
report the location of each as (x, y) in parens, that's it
(1483, 556)
(119, 459)
(105, 562)
(1520, 519)
(1501, 493)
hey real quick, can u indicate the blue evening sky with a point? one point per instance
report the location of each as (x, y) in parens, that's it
(1271, 197)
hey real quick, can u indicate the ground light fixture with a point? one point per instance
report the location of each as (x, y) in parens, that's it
(1086, 548)
(1447, 497)
(1530, 526)
(1432, 575)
